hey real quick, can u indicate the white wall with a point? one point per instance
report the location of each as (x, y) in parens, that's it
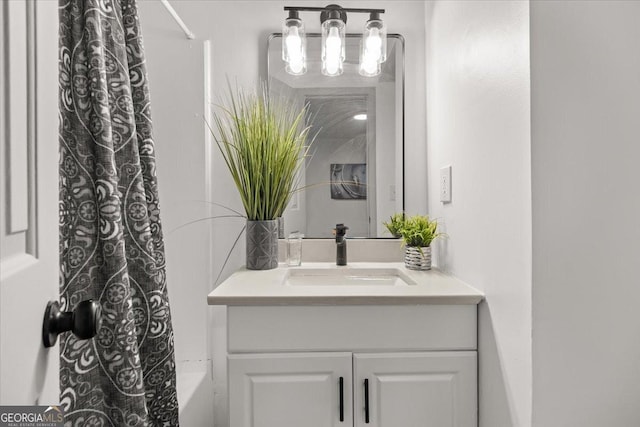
(238, 31)
(177, 109)
(353, 213)
(386, 131)
(478, 106)
(585, 80)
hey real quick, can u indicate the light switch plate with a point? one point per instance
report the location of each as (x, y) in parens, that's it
(445, 184)
(294, 202)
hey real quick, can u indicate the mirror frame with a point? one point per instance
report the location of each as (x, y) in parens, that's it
(401, 39)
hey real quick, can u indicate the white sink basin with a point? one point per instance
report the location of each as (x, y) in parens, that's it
(347, 276)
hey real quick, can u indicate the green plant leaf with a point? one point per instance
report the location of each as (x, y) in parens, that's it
(395, 224)
(264, 142)
(419, 231)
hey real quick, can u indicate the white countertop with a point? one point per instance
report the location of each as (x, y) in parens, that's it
(266, 287)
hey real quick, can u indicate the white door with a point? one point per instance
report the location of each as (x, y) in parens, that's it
(290, 390)
(428, 389)
(28, 195)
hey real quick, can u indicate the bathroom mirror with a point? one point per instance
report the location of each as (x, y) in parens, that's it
(354, 174)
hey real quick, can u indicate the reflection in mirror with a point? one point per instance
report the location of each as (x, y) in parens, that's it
(354, 174)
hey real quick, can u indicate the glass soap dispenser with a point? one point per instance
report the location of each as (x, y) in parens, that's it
(294, 249)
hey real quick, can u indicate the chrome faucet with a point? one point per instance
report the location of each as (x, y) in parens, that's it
(341, 244)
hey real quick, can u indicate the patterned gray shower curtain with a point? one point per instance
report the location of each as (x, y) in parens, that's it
(111, 245)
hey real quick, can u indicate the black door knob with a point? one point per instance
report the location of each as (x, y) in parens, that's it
(83, 321)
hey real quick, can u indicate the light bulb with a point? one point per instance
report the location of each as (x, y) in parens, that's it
(333, 52)
(294, 50)
(370, 66)
(373, 40)
(334, 44)
(332, 67)
(294, 42)
(373, 44)
(333, 49)
(370, 56)
(296, 66)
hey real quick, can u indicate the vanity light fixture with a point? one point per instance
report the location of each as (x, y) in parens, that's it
(373, 49)
(361, 116)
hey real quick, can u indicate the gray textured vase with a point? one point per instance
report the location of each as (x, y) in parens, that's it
(417, 258)
(262, 244)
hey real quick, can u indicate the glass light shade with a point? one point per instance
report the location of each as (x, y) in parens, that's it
(333, 47)
(373, 46)
(294, 46)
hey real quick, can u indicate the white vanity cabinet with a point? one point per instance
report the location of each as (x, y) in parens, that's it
(352, 365)
(426, 389)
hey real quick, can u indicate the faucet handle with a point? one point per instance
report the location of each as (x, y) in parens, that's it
(340, 230)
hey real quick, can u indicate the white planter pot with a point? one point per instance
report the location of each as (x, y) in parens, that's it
(417, 258)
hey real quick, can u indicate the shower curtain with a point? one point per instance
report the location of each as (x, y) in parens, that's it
(111, 245)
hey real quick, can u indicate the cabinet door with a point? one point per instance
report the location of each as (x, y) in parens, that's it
(290, 390)
(428, 389)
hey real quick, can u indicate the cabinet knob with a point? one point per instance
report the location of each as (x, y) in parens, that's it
(83, 321)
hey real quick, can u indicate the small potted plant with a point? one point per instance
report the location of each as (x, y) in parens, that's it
(417, 233)
(264, 143)
(395, 224)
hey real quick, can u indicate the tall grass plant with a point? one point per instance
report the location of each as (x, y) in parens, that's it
(264, 142)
